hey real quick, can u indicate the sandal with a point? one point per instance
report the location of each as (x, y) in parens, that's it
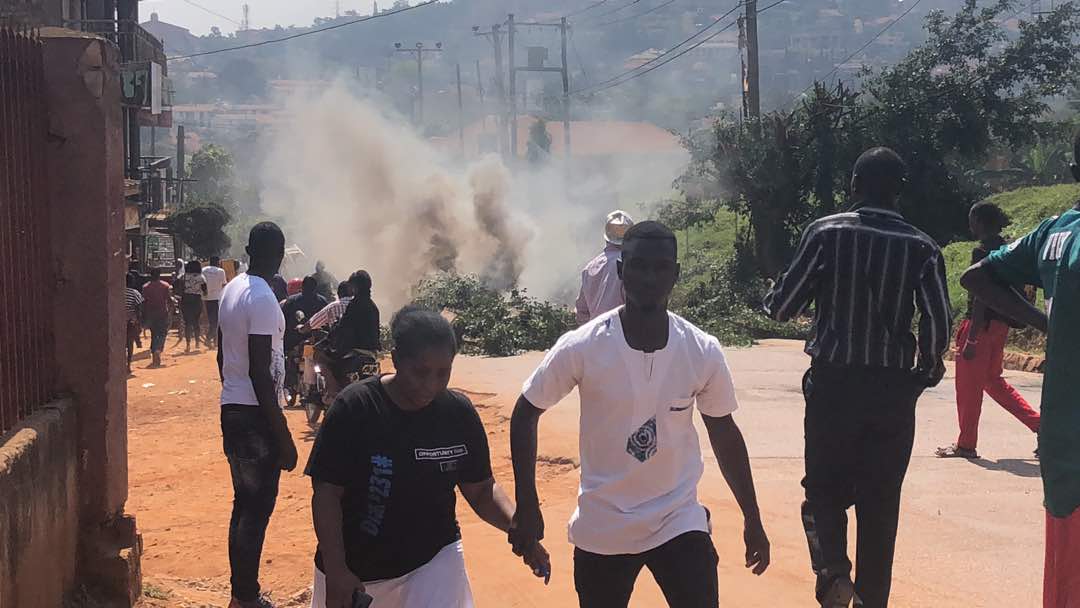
(955, 451)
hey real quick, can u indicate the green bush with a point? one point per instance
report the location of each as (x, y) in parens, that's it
(726, 301)
(491, 322)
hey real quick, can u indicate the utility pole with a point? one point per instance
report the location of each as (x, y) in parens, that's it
(564, 71)
(565, 96)
(753, 76)
(181, 159)
(495, 36)
(460, 113)
(513, 89)
(479, 83)
(419, 53)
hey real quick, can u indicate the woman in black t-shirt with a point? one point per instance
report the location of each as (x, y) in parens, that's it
(384, 467)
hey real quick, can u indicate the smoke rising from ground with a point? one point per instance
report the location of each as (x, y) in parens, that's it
(358, 188)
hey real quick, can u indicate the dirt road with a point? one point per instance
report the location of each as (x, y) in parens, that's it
(970, 534)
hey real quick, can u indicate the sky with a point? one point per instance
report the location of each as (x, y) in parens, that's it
(264, 13)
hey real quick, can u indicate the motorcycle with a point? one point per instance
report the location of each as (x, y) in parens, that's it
(355, 366)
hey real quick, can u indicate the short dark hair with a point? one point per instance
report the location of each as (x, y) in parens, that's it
(880, 167)
(133, 280)
(650, 231)
(344, 289)
(990, 214)
(309, 284)
(265, 239)
(155, 273)
(193, 267)
(414, 329)
(215, 260)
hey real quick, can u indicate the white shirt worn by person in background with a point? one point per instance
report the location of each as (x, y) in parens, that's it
(248, 307)
(215, 282)
(601, 287)
(640, 457)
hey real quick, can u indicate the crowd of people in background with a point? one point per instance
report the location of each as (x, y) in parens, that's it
(393, 448)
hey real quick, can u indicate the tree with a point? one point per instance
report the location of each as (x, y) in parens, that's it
(243, 79)
(202, 227)
(212, 168)
(944, 108)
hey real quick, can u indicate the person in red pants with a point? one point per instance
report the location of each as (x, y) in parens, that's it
(980, 348)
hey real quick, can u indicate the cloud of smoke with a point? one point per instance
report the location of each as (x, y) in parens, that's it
(358, 188)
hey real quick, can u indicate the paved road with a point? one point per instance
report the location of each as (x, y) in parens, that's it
(971, 532)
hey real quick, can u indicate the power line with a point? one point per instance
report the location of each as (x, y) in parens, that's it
(881, 33)
(962, 85)
(666, 52)
(660, 65)
(214, 13)
(587, 8)
(615, 10)
(309, 32)
(636, 15)
(577, 56)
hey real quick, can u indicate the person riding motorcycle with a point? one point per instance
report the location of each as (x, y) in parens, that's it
(309, 302)
(298, 309)
(358, 329)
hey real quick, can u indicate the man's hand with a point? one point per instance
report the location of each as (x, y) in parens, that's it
(341, 584)
(539, 561)
(527, 529)
(287, 459)
(757, 547)
(970, 351)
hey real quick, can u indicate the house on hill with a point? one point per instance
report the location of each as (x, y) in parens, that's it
(177, 40)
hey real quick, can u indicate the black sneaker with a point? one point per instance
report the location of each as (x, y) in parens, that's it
(839, 594)
(261, 602)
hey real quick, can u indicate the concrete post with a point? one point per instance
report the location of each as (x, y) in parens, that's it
(86, 156)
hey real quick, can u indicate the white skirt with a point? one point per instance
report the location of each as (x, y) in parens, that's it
(440, 583)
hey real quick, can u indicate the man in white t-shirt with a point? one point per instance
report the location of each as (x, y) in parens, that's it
(251, 361)
(640, 371)
(214, 275)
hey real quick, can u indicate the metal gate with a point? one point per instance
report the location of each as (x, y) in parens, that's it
(27, 365)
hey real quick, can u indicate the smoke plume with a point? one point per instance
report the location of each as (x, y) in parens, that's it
(357, 187)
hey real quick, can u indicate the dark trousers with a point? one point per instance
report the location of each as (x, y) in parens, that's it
(860, 426)
(684, 568)
(159, 331)
(191, 307)
(253, 461)
(212, 323)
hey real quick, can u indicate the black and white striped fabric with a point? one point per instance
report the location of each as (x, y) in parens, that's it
(867, 271)
(132, 300)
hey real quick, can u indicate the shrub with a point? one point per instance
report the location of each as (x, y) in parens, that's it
(492, 322)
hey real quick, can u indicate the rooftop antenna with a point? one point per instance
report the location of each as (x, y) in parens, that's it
(245, 22)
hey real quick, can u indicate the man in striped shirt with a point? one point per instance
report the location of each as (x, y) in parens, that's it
(332, 312)
(867, 272)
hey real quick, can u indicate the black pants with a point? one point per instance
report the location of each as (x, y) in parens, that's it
(212, 323)
(860, 426)
(191, 307)
(253, 460)
(684, 568)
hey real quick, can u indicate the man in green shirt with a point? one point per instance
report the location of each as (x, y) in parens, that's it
(1049, 257)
